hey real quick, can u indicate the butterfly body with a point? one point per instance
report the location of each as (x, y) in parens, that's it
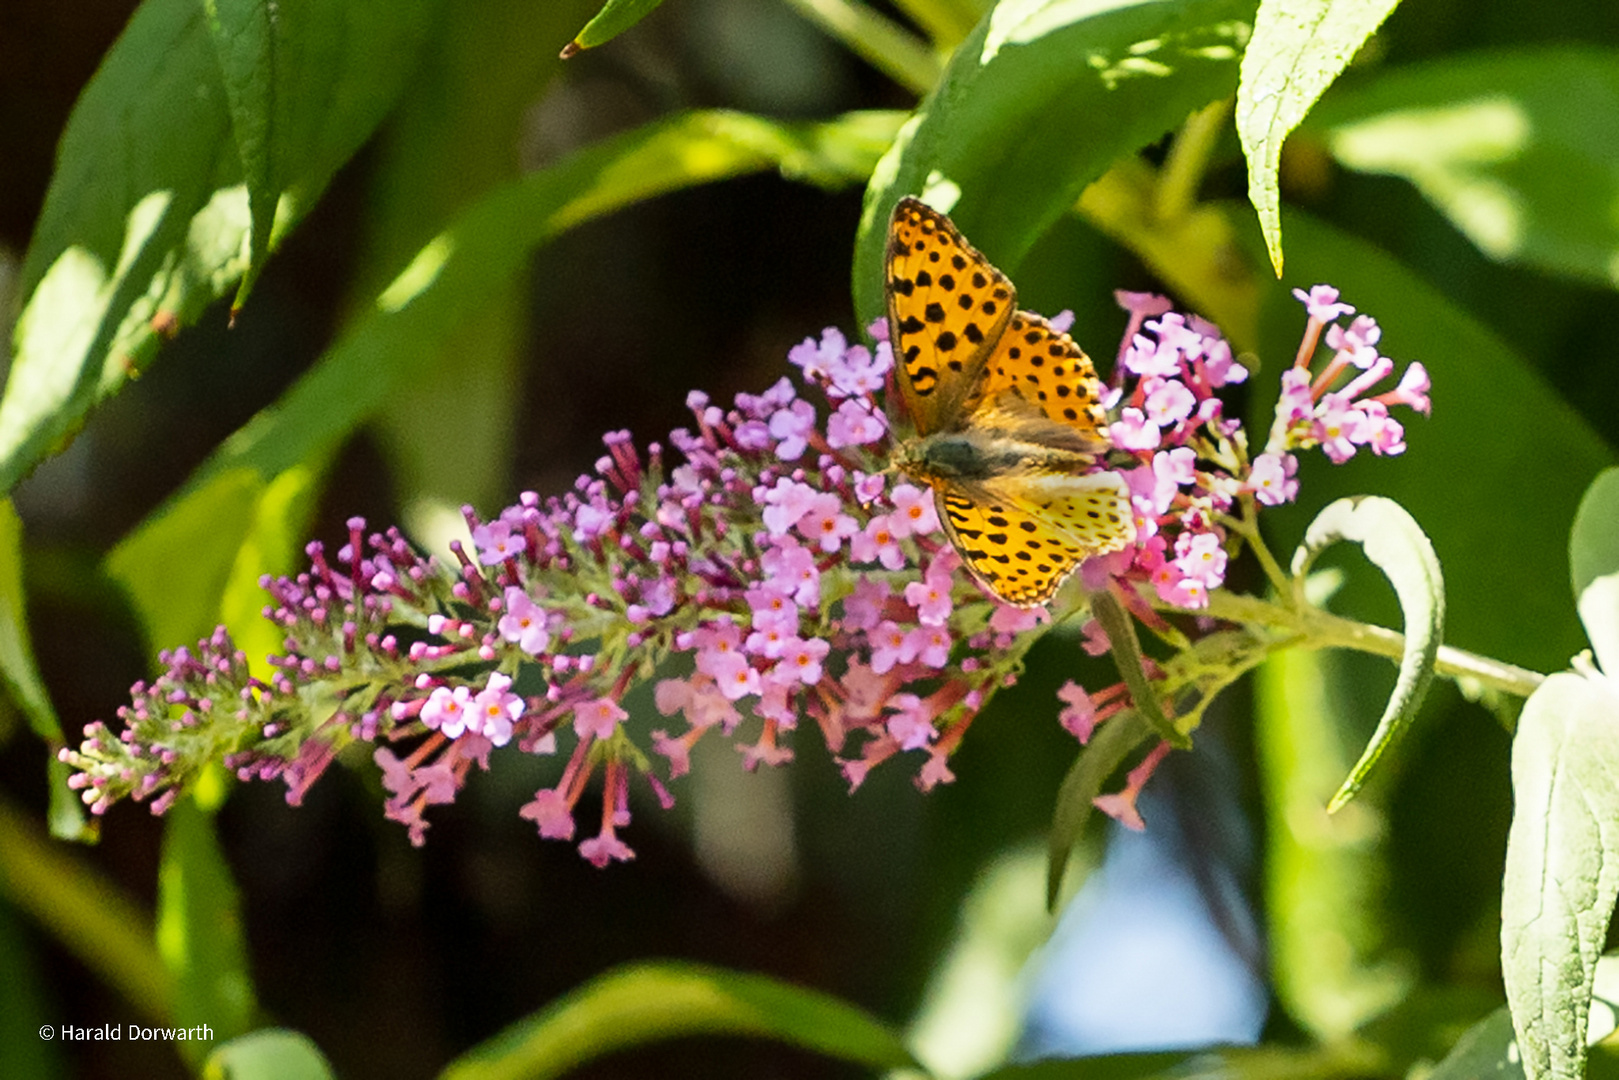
(1010, 427)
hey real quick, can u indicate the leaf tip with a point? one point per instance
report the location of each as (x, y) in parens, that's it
(571, 49)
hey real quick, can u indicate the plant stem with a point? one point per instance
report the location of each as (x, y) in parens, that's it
(1188, 158)
(1317, 629)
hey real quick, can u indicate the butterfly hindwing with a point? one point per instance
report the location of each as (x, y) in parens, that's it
(947, 310)
(1021, 536)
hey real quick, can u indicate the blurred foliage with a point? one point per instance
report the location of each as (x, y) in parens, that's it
(459, 259)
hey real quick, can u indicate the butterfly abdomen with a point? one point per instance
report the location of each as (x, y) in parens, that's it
(973, 456)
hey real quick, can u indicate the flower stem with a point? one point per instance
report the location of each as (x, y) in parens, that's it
(1317, 629)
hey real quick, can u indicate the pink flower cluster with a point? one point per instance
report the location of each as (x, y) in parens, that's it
(772, 568)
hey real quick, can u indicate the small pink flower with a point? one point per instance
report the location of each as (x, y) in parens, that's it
(551, 812)
(863, 608)
(1271, 479)
(855, 423)
(803, 659)
(772, 610)
(1200, 556)
(786, 504)
(495, 709)
(1412, 391)
(1322, 303)
(605, 848)
(496, 542)
(913, 514)
(446, 710)
(1359, 340)
(735, 677)
(826, 524)
(1133, 431)
(523, 622)
(931, 599)
(1006, 619)
(791, 427)
(1169, 403)
(1339, 426)
(910, 725)
(790, 567)
(890, 645)
(1078, 715)
(598, 719)
(931, 645)
(877, 543)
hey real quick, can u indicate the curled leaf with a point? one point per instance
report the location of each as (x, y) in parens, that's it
(1394, 542)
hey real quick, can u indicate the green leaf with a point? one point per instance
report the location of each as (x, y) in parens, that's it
(86, 913)
(19, 673)
(1299, 47)
(199, 930)
(203, 533)
(1326, 874)
(245, 38)
(1395, 544)
(206, 524)
(1037, 103)
(1491, 520)
(1519, 148)
(1108, 748)
(648, 1003)
(271, 1054)
(1126, 649)
(1488, 1048)
(1562, 867)
(615, 17)
(1593, 558)
(149, 217)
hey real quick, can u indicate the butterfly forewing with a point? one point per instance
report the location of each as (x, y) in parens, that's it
(1047, 369)
(947, 309)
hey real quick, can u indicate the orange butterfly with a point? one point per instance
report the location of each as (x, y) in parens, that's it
(1008, 413)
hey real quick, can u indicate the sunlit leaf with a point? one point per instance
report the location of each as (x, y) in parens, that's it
(148, 216)
(1562, 869)
(1299, 47)
(1036, 104)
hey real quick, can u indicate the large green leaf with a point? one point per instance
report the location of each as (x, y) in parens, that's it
(1395, 544)
(205, 525)
(1326, 873)
(1497, 526)
(1519, 148)
(1593, 558)
(86, 913)
(1037, 103)
(1299, 47)
(1562, 870)
(653, 1002)
(199, 930)
(150, 215)
(1076, 797)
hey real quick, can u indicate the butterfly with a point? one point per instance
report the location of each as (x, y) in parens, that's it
(1008, 413)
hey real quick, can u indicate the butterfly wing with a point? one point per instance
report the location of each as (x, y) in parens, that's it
(947, 310)
(1021, 536)
(1044, 367)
